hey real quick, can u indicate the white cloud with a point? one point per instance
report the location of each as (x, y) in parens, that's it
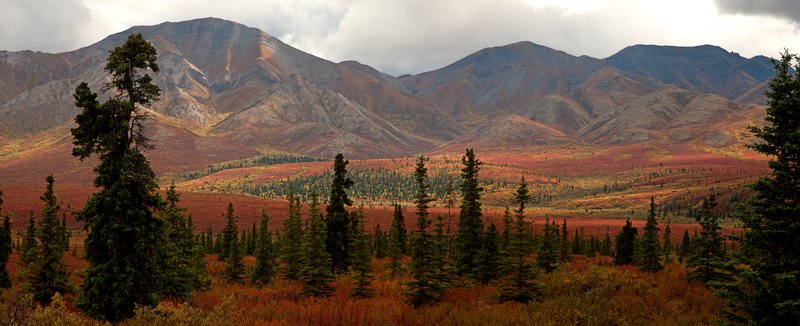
(412, 36)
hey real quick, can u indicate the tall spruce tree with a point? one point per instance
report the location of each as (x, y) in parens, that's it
(547, 257)
(667, 245)
(685, 247)
(470, 224)
(187, 272)
(362, 259)
(5, 248)
(768, 292)
(292, 239)
(28, 247)
(564, 251)
(399, 227)
(424, 289)
(234, 265)
(316, 274)
(489, 255)
(47, 275)
(264, 270)
(124, 234)
(625, 244)
(648, 251)
(519, 283)
(337, 220)
(707, 260)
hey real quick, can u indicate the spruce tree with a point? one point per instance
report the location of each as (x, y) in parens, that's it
(505, 237)
(124, 234)
(380, 242)
(316, 274)
(625, 244)
(564, 249)
(648, 250)
(234, 265)
(685, 247)
(667, 246)
(337, 220)
(5, 248)
(442, 258)
(292, 239)
(27, 249)
(424, 289)
(606, 247)
(707, 259)
(362, 260)
(399, 227)
(187, 273)
(264, 270)
(547, 257)
(470, 225)
(47, 275)
(396, 243)
(488, 256)
(519, 282)
(768, 291)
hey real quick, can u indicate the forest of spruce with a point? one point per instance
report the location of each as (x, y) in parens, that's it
(138, 258)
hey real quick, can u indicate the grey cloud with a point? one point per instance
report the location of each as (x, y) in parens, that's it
(789, 9)
(45, 25)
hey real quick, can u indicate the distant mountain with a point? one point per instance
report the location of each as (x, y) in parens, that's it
(230, 91)
(704, 69)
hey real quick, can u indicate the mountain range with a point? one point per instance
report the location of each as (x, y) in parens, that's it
(230, 92)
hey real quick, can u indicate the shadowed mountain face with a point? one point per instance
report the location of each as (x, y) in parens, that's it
(243, 90)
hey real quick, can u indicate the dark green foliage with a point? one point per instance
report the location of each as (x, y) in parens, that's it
(47, 274)
(27, 249)
(5, 248)
(264, 270)
(648, 250)
(234, 265)
(488, 256)
(380, 243)
(667, 245)
(686, 246)
(124, 234)
(519, 282)
(316, 273)
(768, 292)
(564, 249)
(362, 260)
(625, 244)
(292, 239)
(606, 247)
(707, 261)
(578, 246)
(187, 270)
(396, 241)
(424, 289)
(505, 237)
(547, 257)
(470, 224)
(443, 261)
(399, 227)
(337, 220)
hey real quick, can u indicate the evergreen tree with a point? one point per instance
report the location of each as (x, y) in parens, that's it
(292, 239)
(707, 258)
(27, 249)
(399, 227)
(648, 249)
(470, 225)
(686, 246)
(362, 260)
(488, 262)
(505, 237)
(395, 248)
(442, 260)
(264, 270)
(380, 242)
(564, 248)
(186, 272)
(234, 265)
(47, 275)
(624, 246)
(5, 248)
(519, 283)
(316, 273)
(547, 257)
(667, 246)
(605, 248)
(424, 289)
(768, 292)
(124, 234)
(337, 220)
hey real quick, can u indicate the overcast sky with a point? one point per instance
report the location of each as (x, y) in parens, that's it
(412, 36)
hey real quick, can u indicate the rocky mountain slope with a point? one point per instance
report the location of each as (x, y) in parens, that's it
(229, 87)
